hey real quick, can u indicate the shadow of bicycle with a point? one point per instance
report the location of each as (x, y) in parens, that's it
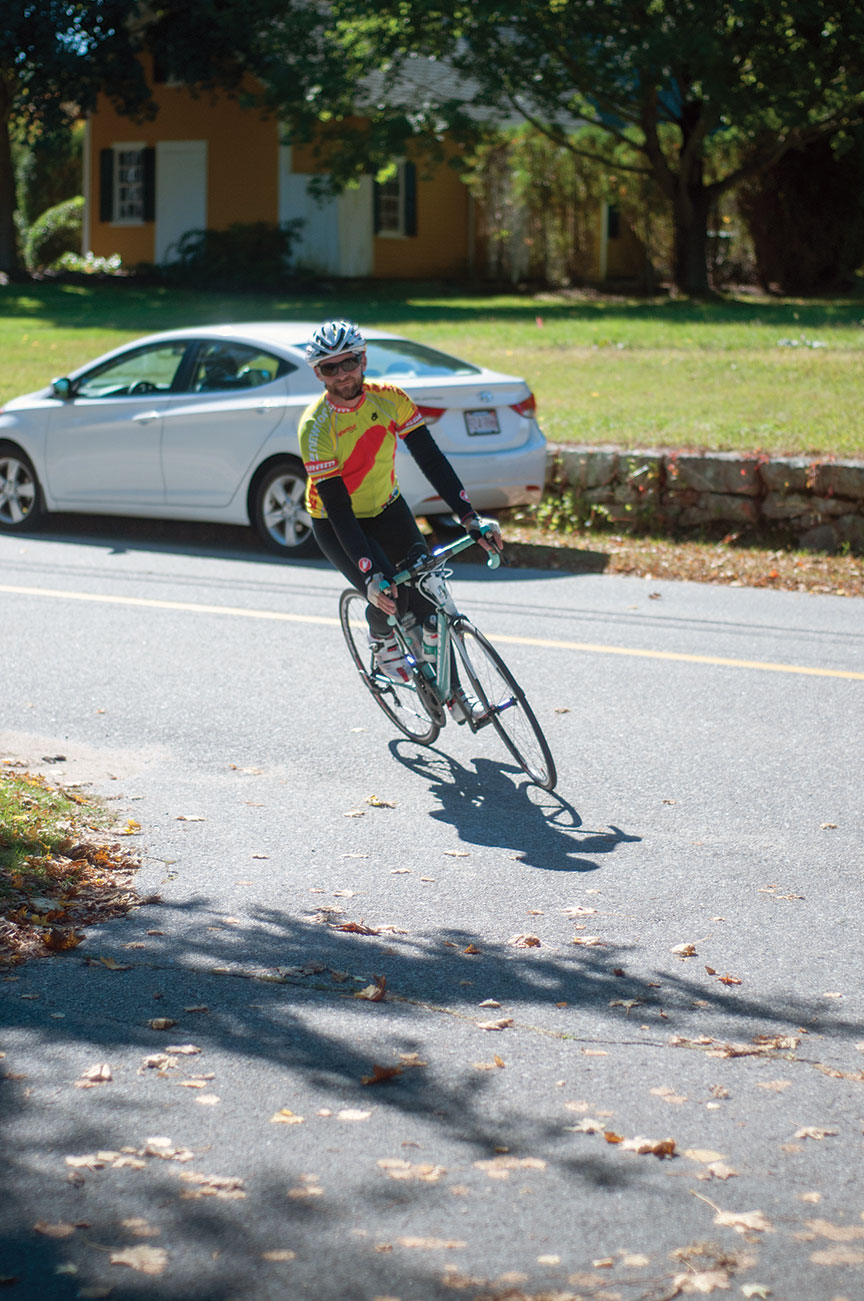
(486, 807)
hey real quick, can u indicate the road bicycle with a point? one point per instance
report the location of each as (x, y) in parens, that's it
(420, 707)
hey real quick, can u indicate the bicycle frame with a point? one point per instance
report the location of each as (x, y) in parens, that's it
(429, 577)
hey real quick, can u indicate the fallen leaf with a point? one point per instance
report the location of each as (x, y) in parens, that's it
(813, 1131)
(580, 910)
(100, 1074)
(139, 1228)
(702, 1282)
(836, 1232)
(398, 1169)
(208, 1100)
(457, 853)
(668, 1095)
(378, 803)
(489, 1002)
(285, 1116)
(146, 1260)
(471, 949)
(161, 1023)
(661, 1147)
(838, 1255)
(58, 941)
(374, 993)
(190, 817)
(729, 980)
(744, 1221)
(354, 928)
(278, 1255)
(499, 1167)
(411, 1059)
(59, 1230)
(183, 1050)
(589, 941)
(524, 942)
(718, 1170)
(635, 1260)
(548, 1260)
(380, 1074)
(353, 1113)
(590, 1126)
(684, 950)
(501, 1024)
(761, 1290)
(432, 1244)
(224, 1187)
(775, 1086)
(112, 965)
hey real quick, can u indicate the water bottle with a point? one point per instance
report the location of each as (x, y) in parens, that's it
(430, 639)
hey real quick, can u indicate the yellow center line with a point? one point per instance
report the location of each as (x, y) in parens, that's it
(546, 643)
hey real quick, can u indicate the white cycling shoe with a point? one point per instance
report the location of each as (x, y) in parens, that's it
(464, 705)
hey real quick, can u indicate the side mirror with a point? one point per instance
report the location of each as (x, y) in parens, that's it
(62, 388)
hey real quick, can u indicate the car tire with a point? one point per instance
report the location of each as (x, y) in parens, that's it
(20, 494)
(278, 510)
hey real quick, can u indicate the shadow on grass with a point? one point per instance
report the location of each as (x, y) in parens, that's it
(131, 305)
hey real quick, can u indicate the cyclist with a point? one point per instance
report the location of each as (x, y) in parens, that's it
(362, 524)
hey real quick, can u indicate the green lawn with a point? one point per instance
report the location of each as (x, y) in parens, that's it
(746, 373)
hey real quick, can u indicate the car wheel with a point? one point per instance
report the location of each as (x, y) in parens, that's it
(279, 512)
(20, 495)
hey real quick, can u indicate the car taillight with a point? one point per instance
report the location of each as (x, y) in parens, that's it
(431, 414)
(527, 407)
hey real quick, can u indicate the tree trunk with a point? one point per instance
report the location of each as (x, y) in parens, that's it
(8, 242)
(690, 262)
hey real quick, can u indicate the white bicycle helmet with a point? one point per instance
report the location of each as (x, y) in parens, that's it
(332, 339)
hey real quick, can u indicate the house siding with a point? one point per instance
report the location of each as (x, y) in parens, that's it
(242, 180)
(440, 247)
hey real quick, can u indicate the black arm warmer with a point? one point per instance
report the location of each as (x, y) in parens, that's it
(336, 500)
(438, 470)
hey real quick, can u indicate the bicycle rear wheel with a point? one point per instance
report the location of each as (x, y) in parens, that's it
(401, 703)
(500, 693)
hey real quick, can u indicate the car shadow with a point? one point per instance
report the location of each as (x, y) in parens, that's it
(121, 535)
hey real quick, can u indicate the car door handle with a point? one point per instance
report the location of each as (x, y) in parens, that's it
(146, 417)
(265, 407)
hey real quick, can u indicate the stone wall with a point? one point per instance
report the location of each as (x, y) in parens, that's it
(819, 503)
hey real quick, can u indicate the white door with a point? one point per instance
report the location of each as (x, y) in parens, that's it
(181, 192)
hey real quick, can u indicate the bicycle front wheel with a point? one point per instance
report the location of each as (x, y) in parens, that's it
(500, 694)
(402, 703)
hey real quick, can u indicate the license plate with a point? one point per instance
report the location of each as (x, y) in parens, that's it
(482, 422)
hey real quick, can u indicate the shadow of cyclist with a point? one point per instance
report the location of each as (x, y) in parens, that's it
(485, 808)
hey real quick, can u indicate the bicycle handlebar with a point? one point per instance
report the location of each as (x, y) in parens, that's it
(431, 561)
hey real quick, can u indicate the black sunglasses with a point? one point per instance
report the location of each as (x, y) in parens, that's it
(329, 368)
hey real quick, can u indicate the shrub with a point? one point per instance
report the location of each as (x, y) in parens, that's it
(89, 264)
(56, 232)
(48, 170)
(247, 255)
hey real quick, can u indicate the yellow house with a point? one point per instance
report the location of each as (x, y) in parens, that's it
(206, 161)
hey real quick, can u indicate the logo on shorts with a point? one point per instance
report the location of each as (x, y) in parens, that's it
(364, 565)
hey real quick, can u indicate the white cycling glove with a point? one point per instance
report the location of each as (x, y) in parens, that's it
(378, 587)
(484, 530)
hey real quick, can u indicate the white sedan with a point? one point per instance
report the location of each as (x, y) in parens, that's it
(201, 424)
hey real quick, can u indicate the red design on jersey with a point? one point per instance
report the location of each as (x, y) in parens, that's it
(362, 458)
(364, 564)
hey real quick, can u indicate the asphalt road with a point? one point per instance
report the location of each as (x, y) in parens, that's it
(710, 746)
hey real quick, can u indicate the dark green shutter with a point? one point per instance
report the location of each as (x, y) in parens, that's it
(149, 169)
(106, 184)
(410, 192)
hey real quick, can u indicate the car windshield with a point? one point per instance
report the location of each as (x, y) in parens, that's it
(390, 357)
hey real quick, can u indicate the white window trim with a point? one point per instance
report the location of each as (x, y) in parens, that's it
(120, 147)
(400, 233)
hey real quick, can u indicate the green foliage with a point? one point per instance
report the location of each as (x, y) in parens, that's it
(48, 170)
(806, 217)
(56, 232)
(89, 265)
(247, 255)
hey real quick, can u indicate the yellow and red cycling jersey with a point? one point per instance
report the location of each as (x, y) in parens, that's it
(357, 444)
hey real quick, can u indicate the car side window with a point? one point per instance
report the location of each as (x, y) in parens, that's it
(226, 367)
(135, 374)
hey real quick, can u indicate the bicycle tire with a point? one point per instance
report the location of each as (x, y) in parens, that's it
(403, 705)
(500, 693)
